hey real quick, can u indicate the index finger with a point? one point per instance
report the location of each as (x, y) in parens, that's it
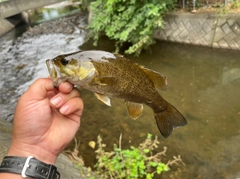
(38, 90)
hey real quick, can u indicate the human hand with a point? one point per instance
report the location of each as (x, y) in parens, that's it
(46, 120)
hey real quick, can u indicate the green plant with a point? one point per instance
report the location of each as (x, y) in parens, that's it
(132, 163)
(229, 8)
(235, 4)
(85, 3)
(132, 21)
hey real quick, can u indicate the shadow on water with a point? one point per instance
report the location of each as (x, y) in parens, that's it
(53, 12)
(203, 84)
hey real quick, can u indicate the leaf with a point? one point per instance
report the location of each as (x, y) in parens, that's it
(146, 150)
(149, 176)
(153, 164)
(149, 136)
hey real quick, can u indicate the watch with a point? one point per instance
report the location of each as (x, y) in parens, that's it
(29, 167)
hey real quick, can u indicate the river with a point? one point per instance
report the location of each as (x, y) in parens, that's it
(203, 84)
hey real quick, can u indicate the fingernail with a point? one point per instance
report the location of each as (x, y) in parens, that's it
(64, 109)
(68, 85)
(56, 101)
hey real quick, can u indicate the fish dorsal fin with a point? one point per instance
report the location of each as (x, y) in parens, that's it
(134, 109)
(106, 100)
(159, 80)
(102, 81)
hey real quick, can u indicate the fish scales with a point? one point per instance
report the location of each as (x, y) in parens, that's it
(138, 88)
(112, 75)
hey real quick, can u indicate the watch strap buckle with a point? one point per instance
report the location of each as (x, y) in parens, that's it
(25, 166)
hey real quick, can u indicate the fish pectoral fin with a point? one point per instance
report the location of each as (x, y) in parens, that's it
(159, 80)
(104, 81)
(105, 99)
(134, 109)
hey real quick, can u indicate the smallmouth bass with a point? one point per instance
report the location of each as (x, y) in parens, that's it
(112, 75)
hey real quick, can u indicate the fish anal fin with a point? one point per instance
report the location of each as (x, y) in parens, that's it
(105, 99)
(169, 119)
(103, 81)
(159, 80)
(134, 109)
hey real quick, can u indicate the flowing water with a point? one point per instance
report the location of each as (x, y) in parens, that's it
(203, 83)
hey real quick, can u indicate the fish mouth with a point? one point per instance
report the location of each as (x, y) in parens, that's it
(51, 70)
(54, 73)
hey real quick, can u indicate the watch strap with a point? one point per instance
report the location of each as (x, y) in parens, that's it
(29, 167)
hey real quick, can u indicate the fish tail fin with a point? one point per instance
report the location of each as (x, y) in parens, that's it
(169, 119)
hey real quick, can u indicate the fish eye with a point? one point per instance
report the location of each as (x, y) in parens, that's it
(64, 61)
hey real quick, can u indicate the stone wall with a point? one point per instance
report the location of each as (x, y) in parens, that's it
(212, 30)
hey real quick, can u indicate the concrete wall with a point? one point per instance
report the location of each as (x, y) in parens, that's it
(5, 26)
(212, 30)
(12, 7)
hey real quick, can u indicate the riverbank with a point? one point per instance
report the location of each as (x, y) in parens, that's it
(201, 29)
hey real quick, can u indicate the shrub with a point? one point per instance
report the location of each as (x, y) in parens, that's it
(132, 21)
(132, 163)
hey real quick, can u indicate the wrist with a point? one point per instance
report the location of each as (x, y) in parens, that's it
(25, 150)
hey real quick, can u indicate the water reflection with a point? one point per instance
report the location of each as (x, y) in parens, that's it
(50, 15)
(230, 75)
(54, 11)
(203, 84)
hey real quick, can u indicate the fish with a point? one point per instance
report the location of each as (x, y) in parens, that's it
(110, 75)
